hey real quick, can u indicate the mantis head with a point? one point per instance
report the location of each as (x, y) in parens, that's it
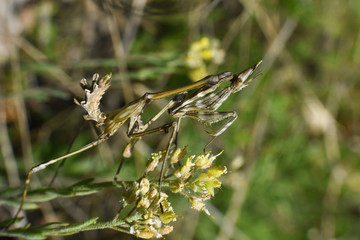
(242, 79)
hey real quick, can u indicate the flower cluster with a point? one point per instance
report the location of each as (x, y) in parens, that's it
(198, 188)
(201, 53)
(153, 210)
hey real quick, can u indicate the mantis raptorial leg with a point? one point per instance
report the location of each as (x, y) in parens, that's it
(68, 151)
(202, 107)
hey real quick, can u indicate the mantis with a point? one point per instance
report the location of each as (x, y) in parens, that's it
(200, 105)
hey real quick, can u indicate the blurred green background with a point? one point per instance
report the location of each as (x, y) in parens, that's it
(293, 152)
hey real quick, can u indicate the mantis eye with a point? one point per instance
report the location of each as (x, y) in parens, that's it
(226, 76)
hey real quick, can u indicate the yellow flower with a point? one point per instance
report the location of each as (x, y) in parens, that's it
(154, 161)
(201, 53)
(195, 46)
(184, 171)
(144, 203)
(167, 217)
(198, 73)
(196, 203)
(176, 186)
(178, 155)
(207, 54)
(205, 160)
(217, 171)
(193, 60)
(144, 186)
(204, 42)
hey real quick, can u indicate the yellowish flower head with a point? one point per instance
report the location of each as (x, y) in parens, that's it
(202, 52)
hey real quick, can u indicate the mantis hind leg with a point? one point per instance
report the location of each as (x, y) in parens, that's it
(62, 163)
(208, 118)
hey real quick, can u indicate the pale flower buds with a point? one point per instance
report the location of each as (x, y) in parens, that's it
(204, 161)
(217, 171)
(184, 171)
(178, 155)
(144, 186)
(93, 95)
(176, 186)
(196, 203)
(195, 179)
(154, 161)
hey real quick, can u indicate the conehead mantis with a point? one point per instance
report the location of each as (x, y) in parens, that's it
(200, 105)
